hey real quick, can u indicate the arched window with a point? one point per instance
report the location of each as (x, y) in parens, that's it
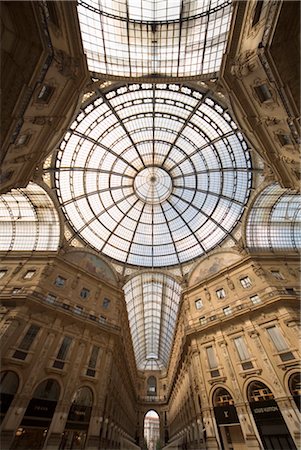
(151, 386)
(83, 396)
(294, 384)
(9, 383)
(47, 390)
(222, 397)
(258, 391)
(76, 428)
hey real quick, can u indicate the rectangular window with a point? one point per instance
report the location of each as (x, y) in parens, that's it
(245, 282)
(280, 343)
(102, 319)
(3, 272)
(227, 310)
(198, 304)
(29, 274)
(106, 303)
(202, 320)
(45, 93)
(277, 275)
(84, 293)
(62, 353)
(241, 348)
(263, 93)
(78, 309)
(26, 342)
(92, 361)
(255, 299)
(277, 339)
(220, 293)
(212, 361)
(257, 12)
(16, 290)
(60, 281)
(50, 298)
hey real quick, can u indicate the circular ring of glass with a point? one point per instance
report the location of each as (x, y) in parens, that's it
(153, 185)
(203, 174)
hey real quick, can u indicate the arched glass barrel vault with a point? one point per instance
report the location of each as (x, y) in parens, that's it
(152, 301)
(28, 220)
(274, 221)
(138, 38)
(153, 175)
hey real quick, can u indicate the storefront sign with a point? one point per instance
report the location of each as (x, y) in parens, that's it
(226, 414)
(265, 409)
(40, 408)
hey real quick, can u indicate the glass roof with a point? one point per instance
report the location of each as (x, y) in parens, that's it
(28, 220)
(152, 301)
(274, 222)
(136, 38)
(153, 175)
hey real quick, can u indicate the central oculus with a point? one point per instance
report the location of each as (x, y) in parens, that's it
(153, 185)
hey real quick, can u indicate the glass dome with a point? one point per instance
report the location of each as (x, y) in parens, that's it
(153, 175)
(136, 38)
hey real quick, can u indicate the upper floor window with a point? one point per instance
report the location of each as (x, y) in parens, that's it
(245, 282)
(257, 12)
(212, 361)
(255, 299)
(227, 310)
(78, 309)
(45, 93)
(92, 361)
(62, 353)
(84, 293)
(277, 274)
(280, 343)
(3, 272)
(60, 281)
(198, 304)
(50, 298)
(151, 386)
(106, 303)
(243, 353)
(16, 290)
(26, 342)
(220, 293)
(29, 274)
(202, 320)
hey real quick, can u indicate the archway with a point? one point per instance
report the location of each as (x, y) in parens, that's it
(151, 430)
(227, 421)
(38, 416)
(268, 418)
(9, 383)
(75, 433)
(294, 384)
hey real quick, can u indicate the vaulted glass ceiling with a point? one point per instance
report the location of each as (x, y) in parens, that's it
(274, 222)
(137, 38)
(152, 301)
(28, 220)
(153, 175)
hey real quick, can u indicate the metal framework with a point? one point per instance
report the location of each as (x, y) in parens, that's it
(274, 222)
(135, 38)
(152, 301)
(153, 175)
(28, 220)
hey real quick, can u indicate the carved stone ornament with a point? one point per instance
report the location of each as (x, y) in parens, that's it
(41, 120)
(66, 65)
